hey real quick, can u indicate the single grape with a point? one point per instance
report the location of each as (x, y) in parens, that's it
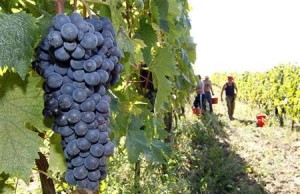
(72, 148)
(93, 185)
(78, 53)
(44, 56)
(79, 75)
(79, 95)
(89, 41)
(67, 89)
(92, 135)
(70, 179)
(65, 101)
(102, 162)
(83, 183)
(70, 46)
(81, 128)
(103, 75)
(94, 175)
(65, 131)
(97, 23)
(83, 144)
(97, 150)
(80, 172)
(62, 120)
(107, 98)
(61, 54)
(88, 117)
(89, 65)
(45, 45)
(91, 162)
(54, 80)
(77, 161)
(109, 148)
(103, 137)
(69, 31)
(54, 39)
(76, 65)
(74, 116)
(92, 79)
(108, 43)
(67, 80)
(75, 17)
(103, 106)
(59, 20)
(88, 105)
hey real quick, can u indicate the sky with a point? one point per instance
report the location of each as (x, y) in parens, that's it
(245, 35)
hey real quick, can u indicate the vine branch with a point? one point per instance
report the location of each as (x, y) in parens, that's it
(59, 6)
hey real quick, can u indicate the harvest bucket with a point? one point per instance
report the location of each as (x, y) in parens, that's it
(214, 100)
(261, 120)
(196, 111)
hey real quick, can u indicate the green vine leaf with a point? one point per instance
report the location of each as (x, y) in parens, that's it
(18, 37)
(163, 65)
(136, 143)
(20, 108)
(57, 159)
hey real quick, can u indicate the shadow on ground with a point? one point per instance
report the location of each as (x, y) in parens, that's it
(215, 167)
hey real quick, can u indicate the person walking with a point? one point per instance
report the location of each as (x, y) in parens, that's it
(198, 102)
(208, 90)
(231, 92)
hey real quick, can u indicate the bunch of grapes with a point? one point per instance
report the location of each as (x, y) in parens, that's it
(79, 60)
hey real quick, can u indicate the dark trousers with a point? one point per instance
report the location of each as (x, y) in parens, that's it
(207, 97)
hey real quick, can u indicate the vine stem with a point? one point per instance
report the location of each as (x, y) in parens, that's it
(86, 8)
(59, 6)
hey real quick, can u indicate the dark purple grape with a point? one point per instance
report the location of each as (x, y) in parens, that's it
(59, 20)
(76, 65)
(72, 148)
(79, 75)
(70, 46)
(77, 161)
(97, 150)
(81, 128)
(65, 101)
(88, 105)
(102, 106)
(92, 135)
(67, 89)
(89, 41)
(89, 65)
(54, 39)
(91, 162)
(80, 172)
(54, 80)
(88, 117)
(109, 148)
(69, 31)
(61, 54)
(83, 144)
(74, 116)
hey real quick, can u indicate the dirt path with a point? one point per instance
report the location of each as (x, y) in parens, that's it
(272, 153)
